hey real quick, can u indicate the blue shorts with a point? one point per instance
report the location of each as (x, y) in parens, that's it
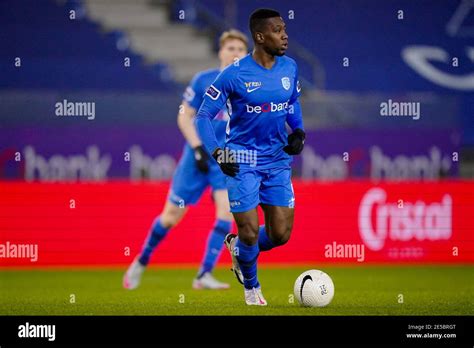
(251, 186)
(189, 183)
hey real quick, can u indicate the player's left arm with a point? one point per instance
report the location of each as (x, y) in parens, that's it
(294, 118)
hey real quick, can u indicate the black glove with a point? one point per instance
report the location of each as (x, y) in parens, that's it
(201, 157)
(295, 142)
(226, 161)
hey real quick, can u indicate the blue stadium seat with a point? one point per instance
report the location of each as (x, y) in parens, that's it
(57, 52)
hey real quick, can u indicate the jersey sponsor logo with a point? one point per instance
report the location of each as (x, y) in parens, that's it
(213, 92)
(188, 94)
(285, 81)
(250, 90)
(267, 107)
(291, 202)
(234, 204)
(252, 86)
(298, 86)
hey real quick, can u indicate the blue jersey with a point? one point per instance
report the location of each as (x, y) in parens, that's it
(259, 101)
(194, 95)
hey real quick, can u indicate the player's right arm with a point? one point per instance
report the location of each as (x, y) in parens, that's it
(214, 100)
(186, 125)
(192, 99)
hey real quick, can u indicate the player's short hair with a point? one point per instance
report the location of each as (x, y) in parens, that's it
(258, 19)
(231, 35)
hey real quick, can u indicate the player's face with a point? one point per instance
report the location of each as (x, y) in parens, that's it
(275, 37)
(232, 50)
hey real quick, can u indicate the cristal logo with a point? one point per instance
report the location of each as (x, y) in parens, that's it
(419, 220)
(267, 107)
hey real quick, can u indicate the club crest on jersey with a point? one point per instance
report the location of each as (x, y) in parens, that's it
(213, 92)
(285, 81)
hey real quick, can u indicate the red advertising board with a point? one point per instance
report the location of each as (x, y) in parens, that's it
(357, 222)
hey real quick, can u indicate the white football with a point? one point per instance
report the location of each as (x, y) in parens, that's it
(314, 288)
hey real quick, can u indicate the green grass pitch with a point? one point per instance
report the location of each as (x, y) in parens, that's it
(360, 290)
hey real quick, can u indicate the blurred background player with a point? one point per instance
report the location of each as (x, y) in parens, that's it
(263, 90)
(194, 173)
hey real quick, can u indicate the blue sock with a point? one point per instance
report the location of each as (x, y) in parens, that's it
(215, 243)
(157, 233)
(264, 242)
(247, 257)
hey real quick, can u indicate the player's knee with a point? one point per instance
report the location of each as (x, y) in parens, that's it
(248, 233)
(281, 235)
(170, 218)
(167, 221)
(281, 240)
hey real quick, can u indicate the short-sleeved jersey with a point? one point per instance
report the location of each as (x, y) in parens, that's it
(258, 102)
(194, 95)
